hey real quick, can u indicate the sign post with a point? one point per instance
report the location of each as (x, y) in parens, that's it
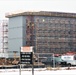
(26, 56)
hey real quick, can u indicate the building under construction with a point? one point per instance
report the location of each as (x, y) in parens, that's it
(47, 32)
(4, 38)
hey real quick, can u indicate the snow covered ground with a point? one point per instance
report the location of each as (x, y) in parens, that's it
(37, 72)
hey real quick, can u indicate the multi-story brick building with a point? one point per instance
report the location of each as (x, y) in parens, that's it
(47, 32)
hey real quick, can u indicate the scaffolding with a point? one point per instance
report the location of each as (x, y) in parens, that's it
(5, 38)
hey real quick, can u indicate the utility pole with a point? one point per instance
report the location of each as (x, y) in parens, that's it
(53, 61)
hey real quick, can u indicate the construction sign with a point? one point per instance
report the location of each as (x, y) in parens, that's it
(26, 55)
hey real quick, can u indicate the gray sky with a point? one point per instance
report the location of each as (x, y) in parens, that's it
(36, 5)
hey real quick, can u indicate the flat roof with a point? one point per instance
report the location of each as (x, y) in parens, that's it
(42, 13)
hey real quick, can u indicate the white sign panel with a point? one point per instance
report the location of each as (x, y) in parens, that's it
(27, 49)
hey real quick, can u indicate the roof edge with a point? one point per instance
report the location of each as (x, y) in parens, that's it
(41, 13)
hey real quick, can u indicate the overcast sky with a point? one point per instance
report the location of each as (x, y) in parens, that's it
(36, 5)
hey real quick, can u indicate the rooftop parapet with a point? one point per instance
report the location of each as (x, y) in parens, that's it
(41, 13)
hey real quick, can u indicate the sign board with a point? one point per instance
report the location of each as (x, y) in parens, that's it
(26, 55)
(26, 49)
